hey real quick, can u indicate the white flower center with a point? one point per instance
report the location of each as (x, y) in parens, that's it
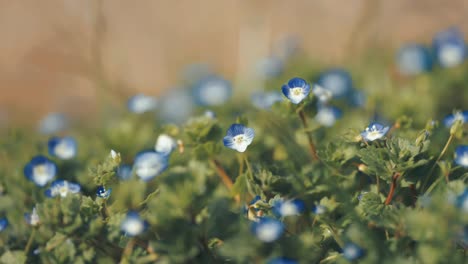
(288, 208)
(296, 91)
(451, 55)
(133, 226)
(267, 232)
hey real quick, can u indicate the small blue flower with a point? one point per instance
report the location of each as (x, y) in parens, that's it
(141, 103)
(289, 207)
(323, 95)
(268, 229)
(62, 148)
(102, 192)
(149, 164)
(458, 116)
(461, 201)
(176, 106)
(319, 209)
(327, 115)
(133, 225)
(165, 144)
(337, 81)
(3, 223)
(40, 170)
(62, 188)
(413, 59)
(374, 131)
(238, 137)
(264, 100)
(53, 123)
(461, 156)
(296, 90)
(124, 172)
(269, 67)
(282, 260)
(212, 90)
(352, 251)
(449, 47)
(32, 218)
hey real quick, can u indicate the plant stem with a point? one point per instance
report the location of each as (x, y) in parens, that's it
(30, 240)
(395, 177)
(249, 169)
(312, 149)
(222, 174)
(442, 153)
(127, 251)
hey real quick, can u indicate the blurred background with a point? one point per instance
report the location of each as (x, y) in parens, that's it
(63, 55)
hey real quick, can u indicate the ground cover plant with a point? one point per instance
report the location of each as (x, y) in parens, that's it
(312, 169)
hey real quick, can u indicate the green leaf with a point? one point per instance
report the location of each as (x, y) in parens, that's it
(13, 257)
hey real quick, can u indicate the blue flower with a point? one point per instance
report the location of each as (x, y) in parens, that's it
(461, 156)
(449, 47)
(141, 103)
(267, 229)
(282, 260)
(264, 100)
(3, 223)
(269, 67)
(374, 131)
(457, 116)
(32, 218)
(289, 207)
(176, 106)
(165, 144)
(53, 123)
(319, 209)
(327, 115)
(103, 192)
(461, 201)
(352, 251)
(296, 90)
(413, 59)
(238, 137)
(40, 170)
(212, 90)
(62, 148)
(124, 172)
(337, 81)
(62, 188)
(149, 164)
(133, 225)
(323, 95)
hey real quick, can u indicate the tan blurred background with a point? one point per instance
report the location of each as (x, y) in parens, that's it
(55, 53)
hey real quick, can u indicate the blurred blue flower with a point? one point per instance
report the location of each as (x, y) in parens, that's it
(32, 218)
(212, 90)
(327, 115)
(323, 95)
(357, 98)
(269, 67)
(3, 223)
(461, 156)
(337, 81)
(452, 118)
(133, 225)
(319, 209)
(62, 148)
(53, 123)
(264, 100)
(413, 59)
(209, 114)
(102, 192)
(62, 188)
(449, 47)
(282, 260)
(40, 170)
(238, 137)
(374, 131)
(141, 103)
(176, 106)
(124, 172)
(289, 207)
(149, 164)
(268, 229)
(165, 144)
(352, 251)
(296, 90)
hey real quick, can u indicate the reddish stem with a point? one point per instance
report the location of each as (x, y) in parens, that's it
(224, 177)
(395, 177)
